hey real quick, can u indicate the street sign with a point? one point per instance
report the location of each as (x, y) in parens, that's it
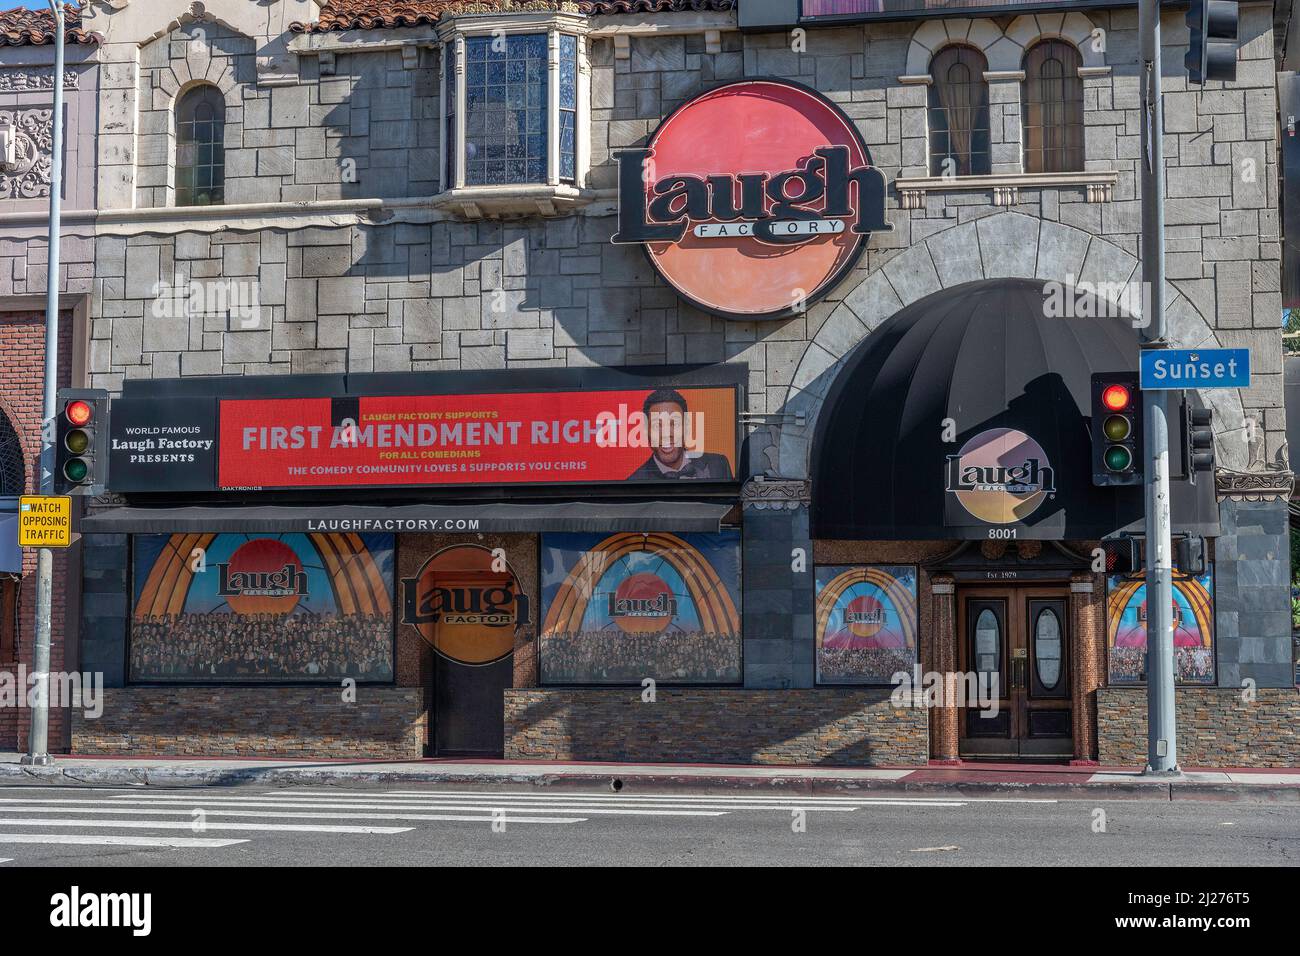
(45, 521)
(1195, 368)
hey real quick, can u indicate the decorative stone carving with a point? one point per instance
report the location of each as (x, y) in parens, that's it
(21, 81)
(1254, 485)
(29, 177)
(993, 550)
(776, 493)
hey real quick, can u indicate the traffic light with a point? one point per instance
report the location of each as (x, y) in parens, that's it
(1189, 555)
(80, 437)
(1116, 429)
(1212, 49)
(1198, 440)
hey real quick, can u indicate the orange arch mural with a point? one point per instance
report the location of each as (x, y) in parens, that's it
(630, 606)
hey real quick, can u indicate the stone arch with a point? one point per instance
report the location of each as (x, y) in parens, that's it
(933, 35)
(1026, 30)
(15, 453)
(993, 247)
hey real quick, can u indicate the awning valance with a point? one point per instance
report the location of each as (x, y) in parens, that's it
(594, 516)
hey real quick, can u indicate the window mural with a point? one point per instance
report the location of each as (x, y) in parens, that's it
(246, 607)
(866, 623)
(622, 608)
(1126, 628)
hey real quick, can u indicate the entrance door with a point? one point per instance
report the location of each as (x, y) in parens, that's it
(1017, 639)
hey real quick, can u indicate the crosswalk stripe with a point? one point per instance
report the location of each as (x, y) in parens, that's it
(506, 798)
(737, 800)
(198, 801)
(6, 859)
(690, 803)
(188, 825)
(97, 839)
(302, 815)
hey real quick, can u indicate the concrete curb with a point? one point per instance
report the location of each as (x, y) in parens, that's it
(162, 776)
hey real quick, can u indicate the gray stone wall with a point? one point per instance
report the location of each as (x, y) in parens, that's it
(406, 288)
(1252, 594)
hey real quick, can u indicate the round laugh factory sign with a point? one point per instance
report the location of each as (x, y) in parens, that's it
(753, 199)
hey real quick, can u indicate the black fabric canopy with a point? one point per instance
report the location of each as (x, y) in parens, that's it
(591, 516)
(986, 356)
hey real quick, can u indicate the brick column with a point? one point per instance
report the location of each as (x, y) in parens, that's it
(943, 723)
(1087, 663)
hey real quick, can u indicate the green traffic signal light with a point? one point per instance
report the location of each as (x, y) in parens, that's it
(1118, 458)
(1117, 427)
(75, 470)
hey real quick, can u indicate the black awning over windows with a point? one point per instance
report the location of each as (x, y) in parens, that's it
(965, 415)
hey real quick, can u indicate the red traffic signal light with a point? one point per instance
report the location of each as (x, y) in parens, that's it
(1116, 397)
(78, 412)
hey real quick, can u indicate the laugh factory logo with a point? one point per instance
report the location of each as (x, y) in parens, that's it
(466, 603)
(1001, 476)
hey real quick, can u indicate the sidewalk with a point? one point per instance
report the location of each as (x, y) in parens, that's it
(968, 779)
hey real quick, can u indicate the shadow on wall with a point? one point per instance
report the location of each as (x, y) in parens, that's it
(823, 726)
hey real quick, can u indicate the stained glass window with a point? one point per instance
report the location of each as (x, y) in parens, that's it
(568, 107)
(506, 108)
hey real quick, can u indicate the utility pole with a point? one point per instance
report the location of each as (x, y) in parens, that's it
(1162, 738)
(38, 737)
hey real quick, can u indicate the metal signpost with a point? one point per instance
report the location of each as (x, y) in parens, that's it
(1162, 741)
(38, 738)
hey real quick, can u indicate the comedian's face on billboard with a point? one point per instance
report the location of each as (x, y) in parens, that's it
(666, 432)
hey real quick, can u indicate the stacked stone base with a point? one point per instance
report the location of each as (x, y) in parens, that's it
(1216, 727)
(385, 723)
(782, 727)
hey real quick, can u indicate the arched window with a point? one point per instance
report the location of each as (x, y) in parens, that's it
(13, 468)
(959, 113)
(1052, 106)
(200, 149)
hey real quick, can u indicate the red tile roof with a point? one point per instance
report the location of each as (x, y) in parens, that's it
(382, 14)
(23, 27)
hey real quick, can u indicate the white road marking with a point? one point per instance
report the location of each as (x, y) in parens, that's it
(95, 839)
(188, 825)
(334, 805)
(6, 859)
(208, 811)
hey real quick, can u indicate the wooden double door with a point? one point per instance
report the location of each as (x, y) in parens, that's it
(1016, 640)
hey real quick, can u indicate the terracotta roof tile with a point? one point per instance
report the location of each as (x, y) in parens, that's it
(23, 27)
(383, 14)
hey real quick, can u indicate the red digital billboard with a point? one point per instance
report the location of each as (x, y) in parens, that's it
(636, 435)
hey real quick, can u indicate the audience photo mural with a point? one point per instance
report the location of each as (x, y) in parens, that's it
(625, 607)
(1126, 628)
(274, 607)
(866, 623)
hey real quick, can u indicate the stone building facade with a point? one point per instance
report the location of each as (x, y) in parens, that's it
(350, 214)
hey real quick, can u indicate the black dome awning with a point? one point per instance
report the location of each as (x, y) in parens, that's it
(984, 365)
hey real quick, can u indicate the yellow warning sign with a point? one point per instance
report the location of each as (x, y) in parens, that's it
(45, 521)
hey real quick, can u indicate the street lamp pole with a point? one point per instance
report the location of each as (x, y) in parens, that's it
(38, 737)
(1162, 739)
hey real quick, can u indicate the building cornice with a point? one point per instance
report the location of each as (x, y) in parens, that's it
(1254, 485)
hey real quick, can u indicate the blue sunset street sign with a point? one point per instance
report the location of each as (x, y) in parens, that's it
(1195, 368)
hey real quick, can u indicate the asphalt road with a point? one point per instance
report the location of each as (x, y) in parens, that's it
(406, 825)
